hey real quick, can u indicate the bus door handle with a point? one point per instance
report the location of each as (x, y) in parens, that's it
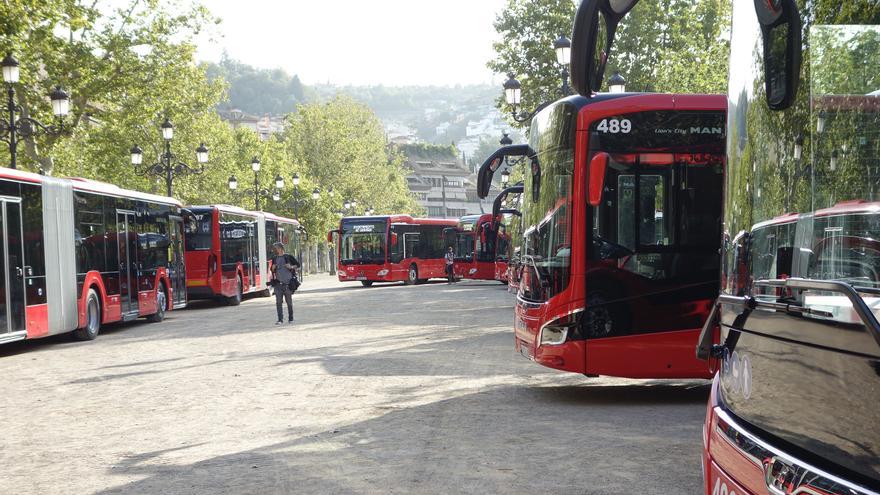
(19, 272)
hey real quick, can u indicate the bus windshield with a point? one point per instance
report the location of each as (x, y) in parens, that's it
(363, 242)
(199, 232)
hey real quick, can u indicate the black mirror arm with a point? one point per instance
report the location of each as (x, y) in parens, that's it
(496, 205)
(487, 171)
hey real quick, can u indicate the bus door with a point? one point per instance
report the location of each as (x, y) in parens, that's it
(128, 269)
(177, 266)
(253, 257)
(12, 300)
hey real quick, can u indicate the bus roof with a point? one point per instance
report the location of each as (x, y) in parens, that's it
(276, 218)
(81, 184)
(406, 219)
(641, 102)
(226, 209)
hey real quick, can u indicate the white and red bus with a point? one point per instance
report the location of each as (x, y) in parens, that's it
(390, 249)
(621, 218)
(78, 254)
(228, 248)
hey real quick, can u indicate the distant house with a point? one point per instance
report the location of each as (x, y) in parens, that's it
(264, 126)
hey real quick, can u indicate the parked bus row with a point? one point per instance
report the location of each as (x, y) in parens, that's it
(79, 254)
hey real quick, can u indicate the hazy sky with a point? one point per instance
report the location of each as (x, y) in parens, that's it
(392, 42)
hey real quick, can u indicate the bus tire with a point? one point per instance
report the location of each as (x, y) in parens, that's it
(264, 293)
(602, 319)
(236, 299)
(93, 318)
(161, 305)
(367, 283)
(412, 276)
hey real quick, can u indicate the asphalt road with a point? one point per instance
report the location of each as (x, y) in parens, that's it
(391, 389)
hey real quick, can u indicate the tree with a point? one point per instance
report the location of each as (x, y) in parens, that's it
(257, 91)
(527, 29)
(661, 45)
(122, 69)
(341, 144)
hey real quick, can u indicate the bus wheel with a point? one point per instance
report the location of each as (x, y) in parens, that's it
(413, 275)
(599, 317)
(367, 283)
(236, 299)
(93, 318)
(161, 306)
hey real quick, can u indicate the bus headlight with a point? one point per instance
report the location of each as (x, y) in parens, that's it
(382, 272)
(472, 271)
(553, 335)
(341, 273)
(557, 331)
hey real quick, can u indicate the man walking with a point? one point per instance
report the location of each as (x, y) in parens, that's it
(450, 264)
(283, 272)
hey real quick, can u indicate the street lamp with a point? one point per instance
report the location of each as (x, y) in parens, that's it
(316, 194)
(347, 204)
(233, 183)
(505, 140)
(169, 165)
(833, 163)
(820, 122)
(562, 47)
(505, 177)
(798, 147)
(12, 129)
(258, 191)
(616, 83)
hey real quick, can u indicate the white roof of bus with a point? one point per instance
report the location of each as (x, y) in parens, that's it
(272, 216)
(81, 184)
(230, 209)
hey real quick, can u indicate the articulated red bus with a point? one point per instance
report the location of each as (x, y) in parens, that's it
(390, 249)
(228, 248)
(78, 254)
(621, 219)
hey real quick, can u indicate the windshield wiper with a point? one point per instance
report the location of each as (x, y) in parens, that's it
(852, 293)
(531, 259)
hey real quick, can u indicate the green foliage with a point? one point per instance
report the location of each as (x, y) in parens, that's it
(257, 91)
(527, 29)
(677, 46)
(341, 144)
(426, 151)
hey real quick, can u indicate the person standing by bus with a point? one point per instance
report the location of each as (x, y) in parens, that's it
(450, 263)
(283, 273)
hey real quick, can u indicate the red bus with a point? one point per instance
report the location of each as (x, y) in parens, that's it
(621, 219)
(508, 227)
(390, 249)
(112, 255)
(473, 241)
(793, 408)
(228, 248)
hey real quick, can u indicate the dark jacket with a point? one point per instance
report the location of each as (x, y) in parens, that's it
(289, 259)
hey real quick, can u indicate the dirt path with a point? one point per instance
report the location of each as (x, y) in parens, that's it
(391, 389)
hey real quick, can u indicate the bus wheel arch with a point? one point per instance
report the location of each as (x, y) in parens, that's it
(236, 299)
(94, 316)
(603, 318)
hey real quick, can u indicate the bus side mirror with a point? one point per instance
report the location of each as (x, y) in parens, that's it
(330, 236)
(394, 238)
(598, 165)
(594, 27)
(781, 29)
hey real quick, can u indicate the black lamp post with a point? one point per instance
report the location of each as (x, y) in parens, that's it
(169, 166)
(12, 129)
(562, 47)
(505, 140)
(257, 190)
(616, 83)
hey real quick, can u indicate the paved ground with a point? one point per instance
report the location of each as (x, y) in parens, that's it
(385, 390)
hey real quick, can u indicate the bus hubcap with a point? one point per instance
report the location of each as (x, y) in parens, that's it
(93, 315)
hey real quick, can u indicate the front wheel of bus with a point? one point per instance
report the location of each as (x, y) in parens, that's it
(161, 305)
(413, 275)
(93, 318)
(602, 319)
(367, 283)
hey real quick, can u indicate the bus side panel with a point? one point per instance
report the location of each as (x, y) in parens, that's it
(37, 318)
(58, 236)
(434, 268)
(656, 355)
(111, 309)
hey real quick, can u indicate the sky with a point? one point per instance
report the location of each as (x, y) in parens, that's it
(359, 42)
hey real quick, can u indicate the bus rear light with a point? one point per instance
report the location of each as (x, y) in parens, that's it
(382, 272)
(212, 264)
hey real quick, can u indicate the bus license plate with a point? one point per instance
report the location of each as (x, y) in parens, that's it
(524, 351)
(361, 278)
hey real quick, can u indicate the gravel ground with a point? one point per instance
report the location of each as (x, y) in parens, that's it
(391, 389)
